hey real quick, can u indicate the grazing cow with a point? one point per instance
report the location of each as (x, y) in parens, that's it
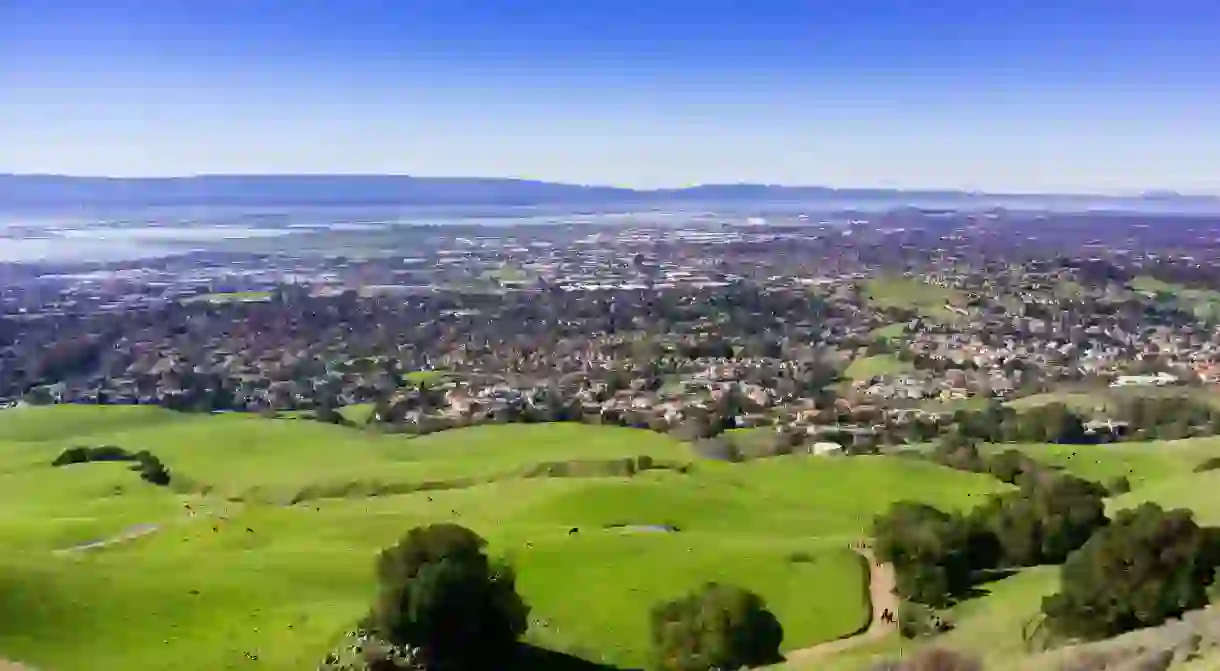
(249, 530)
(573, 531)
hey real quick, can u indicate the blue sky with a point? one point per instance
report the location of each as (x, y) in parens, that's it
(1071, 95)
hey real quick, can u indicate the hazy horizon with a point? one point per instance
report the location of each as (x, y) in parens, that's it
(1088, 96)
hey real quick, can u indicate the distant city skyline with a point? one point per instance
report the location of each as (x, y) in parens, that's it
(1087, 96)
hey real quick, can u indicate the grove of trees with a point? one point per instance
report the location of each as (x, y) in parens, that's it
(1147, 566)
(149, 467)
(937, 555)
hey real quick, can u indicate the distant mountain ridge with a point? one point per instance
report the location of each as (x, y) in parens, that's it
(252, 190)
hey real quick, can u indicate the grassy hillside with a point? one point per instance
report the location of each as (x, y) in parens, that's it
(282, 580)
(929, 300)
(1144, 463)
(990, 625)
(868, 367)
(1097, 399)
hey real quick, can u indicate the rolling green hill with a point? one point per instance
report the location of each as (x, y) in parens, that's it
(253, 572)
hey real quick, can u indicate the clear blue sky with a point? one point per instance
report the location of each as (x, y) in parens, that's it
(1098, 95)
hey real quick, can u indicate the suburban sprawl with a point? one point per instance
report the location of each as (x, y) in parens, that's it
(903, 438)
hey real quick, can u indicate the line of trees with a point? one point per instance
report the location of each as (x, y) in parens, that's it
(149, 467)
(1145, 417)
(1137, 570)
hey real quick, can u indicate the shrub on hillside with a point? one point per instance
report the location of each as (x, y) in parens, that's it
(440, 592)
(1118, 485)
(1147, 566)
(81, 455)
(151, 469)
(915, 620)
(718, 448)
(931, 551)
(715, 627)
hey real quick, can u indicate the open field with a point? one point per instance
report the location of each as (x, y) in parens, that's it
(233, 297)
(868, 367)
(287, 588)
(427, 376)
(1196, 491)
(1203, 303)
(1143, 463)
(929, 300)
(1097, 399)
(889, 332)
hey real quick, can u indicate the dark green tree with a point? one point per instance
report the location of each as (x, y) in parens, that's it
(1147, 566)
(933, 552)
(439, 591)
(715, 627)
(1051, 516)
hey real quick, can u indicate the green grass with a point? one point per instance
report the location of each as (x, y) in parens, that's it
(753, 442)
(1204, 303)
(233, 297)
(867, 367)
(1143, 463)
(432, 377)
(62, 422)
(989, 625)
(815, 601)
(929, 300)
(890, 332)
(1196, 491)
(199, 600)
(1097, 400)
(1070, 289)
(507, 273)
(357, 413)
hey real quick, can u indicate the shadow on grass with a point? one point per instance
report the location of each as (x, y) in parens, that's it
(986, 577)
(531, 658)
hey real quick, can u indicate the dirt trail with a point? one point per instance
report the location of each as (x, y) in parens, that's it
(881, 583)
(139, 531)
(132, 533)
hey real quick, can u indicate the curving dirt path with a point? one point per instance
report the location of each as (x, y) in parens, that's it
(881, 584)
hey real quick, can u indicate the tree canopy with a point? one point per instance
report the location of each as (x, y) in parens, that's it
(439, 591)
(1147, 566)
(715, 627)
